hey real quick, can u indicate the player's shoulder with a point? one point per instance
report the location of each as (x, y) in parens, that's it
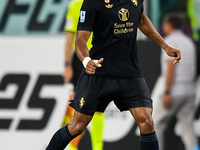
(93, 3)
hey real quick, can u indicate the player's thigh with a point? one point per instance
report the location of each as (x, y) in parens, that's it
(143, 117)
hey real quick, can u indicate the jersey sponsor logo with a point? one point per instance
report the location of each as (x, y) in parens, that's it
(123, 14)
(135, 2)
(109, 6)
(107, 1)
(123, 30)
(126, 27)
(82, 16)
(82, 102)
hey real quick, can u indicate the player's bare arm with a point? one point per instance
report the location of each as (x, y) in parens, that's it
(83, 52)
(149, 30)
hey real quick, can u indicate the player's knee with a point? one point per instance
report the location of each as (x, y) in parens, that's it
(78, 129)
(149, 124)
(146, 125)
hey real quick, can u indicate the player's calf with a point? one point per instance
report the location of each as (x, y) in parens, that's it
(148, 137)
(60, 139)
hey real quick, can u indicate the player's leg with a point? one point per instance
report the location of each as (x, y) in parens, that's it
(148, 138)
(96, 132)
(64, 135)
(77, 67)
(186, 118)
(89, 96)
(73, 145)
(135, 96)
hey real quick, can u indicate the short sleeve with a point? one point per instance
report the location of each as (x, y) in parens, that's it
(87, 16)
(72, 16)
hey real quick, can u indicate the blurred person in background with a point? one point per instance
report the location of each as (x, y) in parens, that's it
(189, 10)
(72, 71)
(178, 96)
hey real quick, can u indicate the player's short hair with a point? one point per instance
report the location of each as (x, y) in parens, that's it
(174, 20)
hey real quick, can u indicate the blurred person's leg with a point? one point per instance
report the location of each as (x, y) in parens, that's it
(97, 130)
(186, 119)
(162, 117)
(68, 114)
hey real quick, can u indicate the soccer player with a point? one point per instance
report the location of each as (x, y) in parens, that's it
(112, 70)
(72, 71)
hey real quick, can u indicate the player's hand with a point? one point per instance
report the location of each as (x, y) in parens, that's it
(166, 101)
(67, 73)
(173, 52)
(92, 66)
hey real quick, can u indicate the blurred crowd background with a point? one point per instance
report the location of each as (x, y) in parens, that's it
(32, 17)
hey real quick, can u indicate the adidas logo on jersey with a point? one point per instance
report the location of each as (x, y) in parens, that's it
(109, 5)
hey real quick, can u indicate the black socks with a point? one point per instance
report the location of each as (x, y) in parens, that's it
(60, 139)
(149, 141)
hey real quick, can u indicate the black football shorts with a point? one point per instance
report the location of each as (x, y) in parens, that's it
(94, 93)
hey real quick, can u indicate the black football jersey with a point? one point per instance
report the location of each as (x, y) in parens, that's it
(114, 25)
